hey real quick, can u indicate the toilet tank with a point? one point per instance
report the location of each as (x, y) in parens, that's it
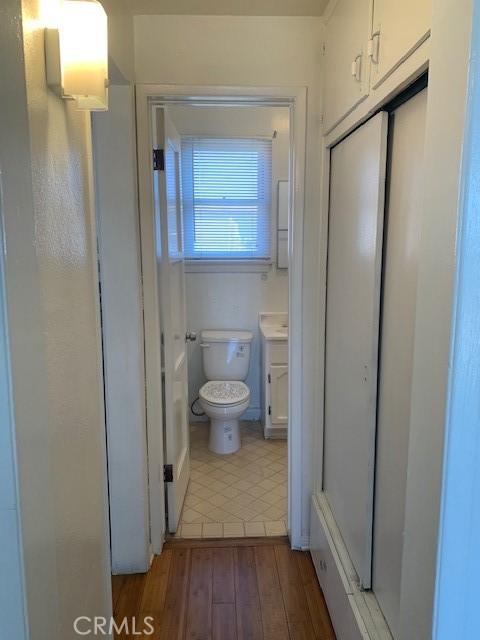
(226, 354)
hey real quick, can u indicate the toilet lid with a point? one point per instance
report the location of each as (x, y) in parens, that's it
(218, 392)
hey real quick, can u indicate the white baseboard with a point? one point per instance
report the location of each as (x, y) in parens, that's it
(355, 613)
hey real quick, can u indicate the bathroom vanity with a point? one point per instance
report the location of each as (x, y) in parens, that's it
(274, 372)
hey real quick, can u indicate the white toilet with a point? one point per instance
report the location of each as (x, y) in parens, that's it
(225, 398)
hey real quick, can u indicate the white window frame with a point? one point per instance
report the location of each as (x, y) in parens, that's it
(231, 262)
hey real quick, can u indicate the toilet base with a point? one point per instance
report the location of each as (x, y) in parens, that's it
(224, 436)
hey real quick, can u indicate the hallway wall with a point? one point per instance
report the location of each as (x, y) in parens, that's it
(254, 51)
(52, 302)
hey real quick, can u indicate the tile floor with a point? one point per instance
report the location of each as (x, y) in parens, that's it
(243, 494)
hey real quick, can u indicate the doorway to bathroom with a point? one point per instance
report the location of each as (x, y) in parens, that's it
(221, 204)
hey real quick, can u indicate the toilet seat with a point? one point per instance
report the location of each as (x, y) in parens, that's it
(228, 393)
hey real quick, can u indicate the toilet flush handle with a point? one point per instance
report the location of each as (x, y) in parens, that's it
(190, 336)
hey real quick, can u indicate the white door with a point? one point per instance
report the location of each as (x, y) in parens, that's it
(171, 279)
(402, 238)
(357, 186)
(279, 394)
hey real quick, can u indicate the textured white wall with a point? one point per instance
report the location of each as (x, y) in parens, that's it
(15, 197)
(254, 51)
(52, 296)
(226, 300)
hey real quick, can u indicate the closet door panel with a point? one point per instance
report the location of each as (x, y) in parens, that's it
(353, 298)
(402, 234)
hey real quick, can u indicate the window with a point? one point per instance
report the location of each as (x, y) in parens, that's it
(226, 186)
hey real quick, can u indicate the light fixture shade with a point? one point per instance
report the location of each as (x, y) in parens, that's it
(79, 67)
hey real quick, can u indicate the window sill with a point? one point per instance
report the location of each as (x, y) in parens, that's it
(228, 266)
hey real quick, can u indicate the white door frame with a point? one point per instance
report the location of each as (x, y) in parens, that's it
(296, 99)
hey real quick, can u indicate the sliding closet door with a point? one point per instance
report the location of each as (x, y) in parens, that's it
(402, 232)
(353, 298)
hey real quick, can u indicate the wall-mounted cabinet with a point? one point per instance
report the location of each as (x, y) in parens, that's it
(282, 224)
(366, 41)
(347, 69)
(399, 28)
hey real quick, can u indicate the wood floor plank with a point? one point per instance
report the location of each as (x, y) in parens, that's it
(274, 621)
(117, 585)
(128, 603)
(272, 594)
(155, 590)
(199, 612)
(301, 631)
(294, 597)
(249, 623)
(173, 620)
(224, 622)
(192, 543)
(322, 624)
(223, 576)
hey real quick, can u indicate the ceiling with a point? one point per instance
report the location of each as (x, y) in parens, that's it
(228, 7)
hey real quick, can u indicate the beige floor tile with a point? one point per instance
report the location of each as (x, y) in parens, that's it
(191, 531)
(221, 515)
(243, 485)
(203, 492)
(190, 515)
(275, 528)
(212, 530)
(231, 492)
(256, 491)
(271, 498)
(248, 487)
(233, 530)
(275, 513)
(254, 529)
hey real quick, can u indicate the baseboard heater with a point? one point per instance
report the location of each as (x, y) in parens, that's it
(355, 613)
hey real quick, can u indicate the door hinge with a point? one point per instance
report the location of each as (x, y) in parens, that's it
(269, 378)
(158, 160)
(168, 473)
(269, 411)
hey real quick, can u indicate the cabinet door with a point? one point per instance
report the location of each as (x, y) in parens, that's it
(347, 67)
(355, 233)
(399, 28)
(279, 394)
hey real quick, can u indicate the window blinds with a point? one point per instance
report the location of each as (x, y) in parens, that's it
(226, 192)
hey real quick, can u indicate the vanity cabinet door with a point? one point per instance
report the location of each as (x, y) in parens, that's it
(279, 394)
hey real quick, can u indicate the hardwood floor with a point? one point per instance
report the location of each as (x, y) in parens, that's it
(255, 589)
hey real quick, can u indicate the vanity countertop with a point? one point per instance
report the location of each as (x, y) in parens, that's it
(274, 326)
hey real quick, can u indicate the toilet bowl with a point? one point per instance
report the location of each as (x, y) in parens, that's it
(224, 402)
(225, 397)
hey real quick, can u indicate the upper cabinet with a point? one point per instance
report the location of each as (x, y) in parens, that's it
(366, 41)
(399, 28)
(346, 62)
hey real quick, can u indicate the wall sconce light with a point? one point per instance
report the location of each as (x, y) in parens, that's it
(77, 54)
